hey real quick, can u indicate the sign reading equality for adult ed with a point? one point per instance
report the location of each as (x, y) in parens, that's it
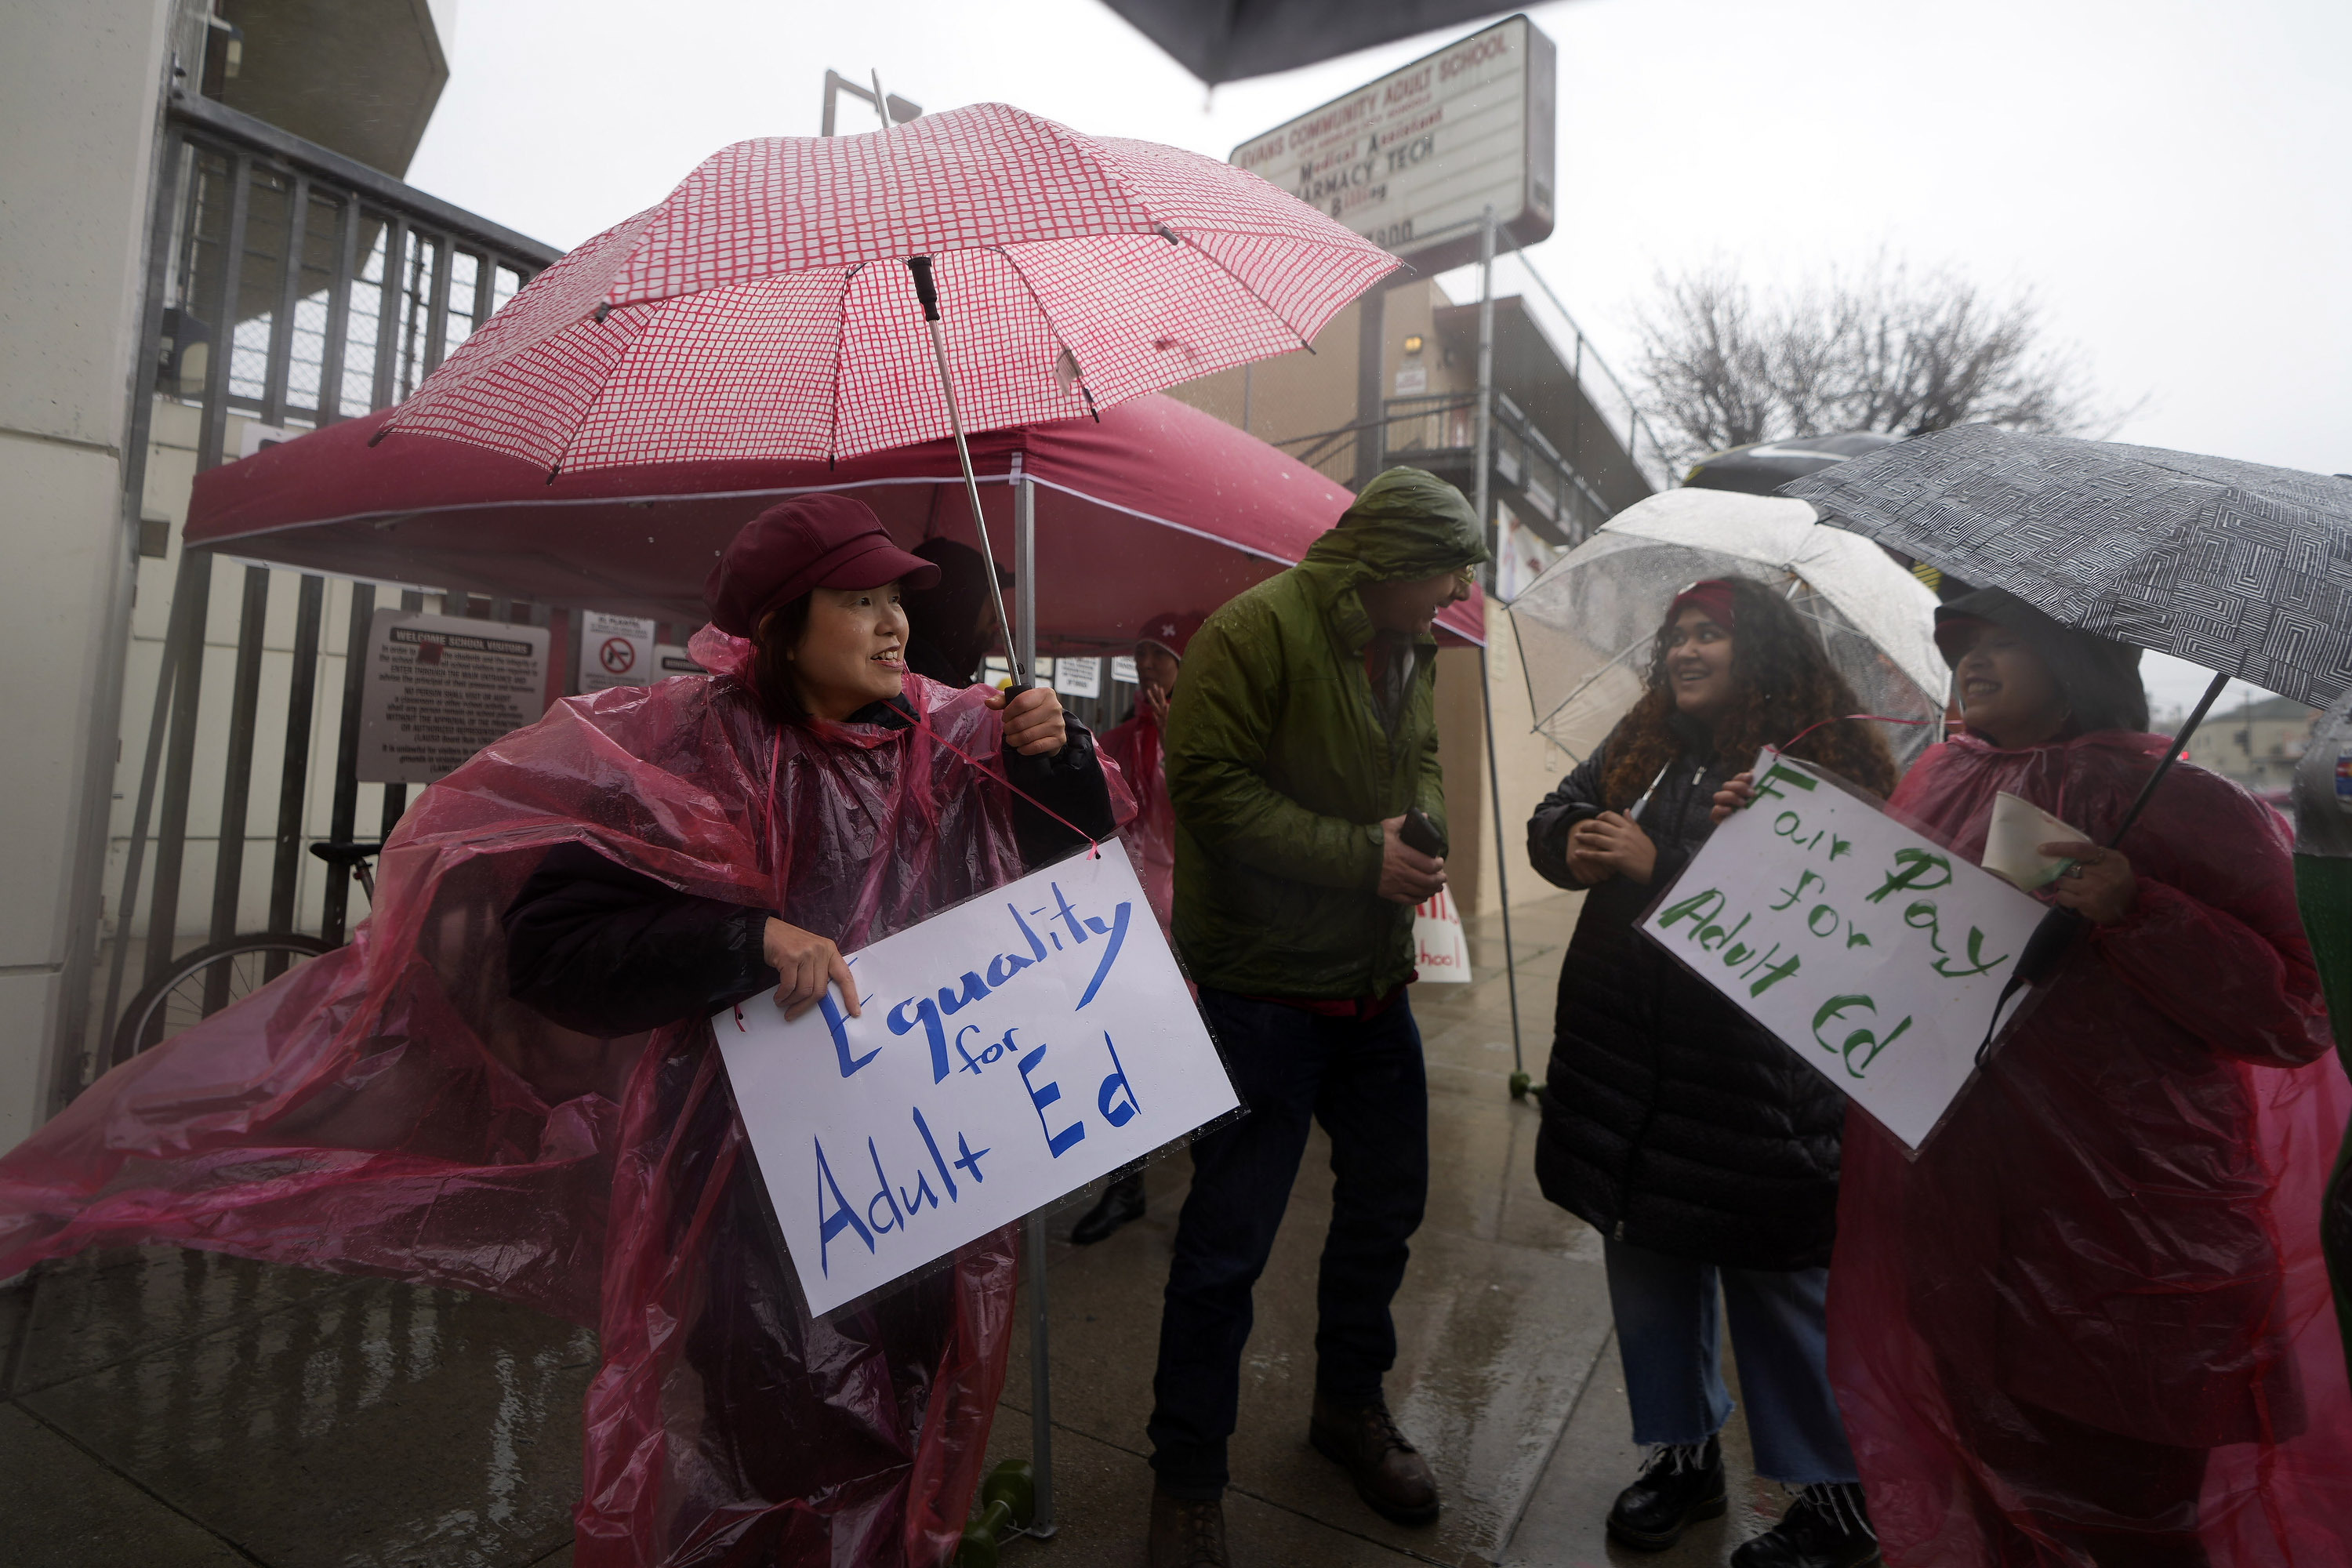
(437, 688)
(1868, 950)
(1010, 1051)
(1412, 161)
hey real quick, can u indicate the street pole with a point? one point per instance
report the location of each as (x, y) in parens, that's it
(1032, 1230)
(1485, 503)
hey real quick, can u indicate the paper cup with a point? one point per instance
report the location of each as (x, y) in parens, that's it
(2012, 845)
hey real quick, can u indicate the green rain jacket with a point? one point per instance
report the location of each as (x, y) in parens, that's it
(1281, 771)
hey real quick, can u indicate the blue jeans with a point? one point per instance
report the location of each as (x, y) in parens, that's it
(1669, 1339)
(1363, 1080)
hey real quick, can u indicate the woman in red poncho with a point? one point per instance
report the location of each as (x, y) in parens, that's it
(2087, 1324)
(1150, 839)
(506, 1082)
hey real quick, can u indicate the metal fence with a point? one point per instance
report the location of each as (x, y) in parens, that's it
(288, 288)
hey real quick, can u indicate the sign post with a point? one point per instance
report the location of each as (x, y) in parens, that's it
(1867, 950)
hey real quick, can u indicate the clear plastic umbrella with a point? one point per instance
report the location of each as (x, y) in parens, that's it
(1585, 626)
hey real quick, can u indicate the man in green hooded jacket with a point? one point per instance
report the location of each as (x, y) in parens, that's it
(1302, 732)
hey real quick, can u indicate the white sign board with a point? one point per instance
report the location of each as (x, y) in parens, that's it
(615, 650)
(440, 687)
(1413, 160)
(1077, 677)
(1122, 670)
(1010, 1051)
(1869, 950)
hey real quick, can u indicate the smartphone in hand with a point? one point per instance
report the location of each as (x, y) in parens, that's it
(1420, 834)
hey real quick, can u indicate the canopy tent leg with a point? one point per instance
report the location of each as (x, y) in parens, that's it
(1520, 1082)
(1041, 1371)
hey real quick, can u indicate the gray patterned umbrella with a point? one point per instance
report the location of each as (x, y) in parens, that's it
(2243, 569)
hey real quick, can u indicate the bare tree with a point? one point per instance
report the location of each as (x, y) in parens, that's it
(1884, 350)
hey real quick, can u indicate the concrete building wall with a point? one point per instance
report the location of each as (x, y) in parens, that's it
(79, 95)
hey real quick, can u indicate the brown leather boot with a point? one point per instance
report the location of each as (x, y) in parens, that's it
(1390, 1473)
(1186, 1533)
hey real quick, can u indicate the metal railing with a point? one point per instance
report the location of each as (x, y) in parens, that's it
(1438, 431)
(288, 288)
(1528, 469)
(1601, 384)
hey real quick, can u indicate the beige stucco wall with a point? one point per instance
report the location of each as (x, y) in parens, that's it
(79, 99)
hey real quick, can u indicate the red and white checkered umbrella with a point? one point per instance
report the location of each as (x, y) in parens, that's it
(767, 309)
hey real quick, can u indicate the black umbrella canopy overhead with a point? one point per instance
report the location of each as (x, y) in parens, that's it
(2243, 569)
(1761, 468)
(1227, 40)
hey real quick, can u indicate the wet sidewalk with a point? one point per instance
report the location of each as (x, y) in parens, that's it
(181, 1410)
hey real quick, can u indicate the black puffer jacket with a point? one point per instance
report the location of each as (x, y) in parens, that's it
(1670, 1120)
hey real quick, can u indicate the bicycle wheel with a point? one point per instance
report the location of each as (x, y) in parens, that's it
(202, 982)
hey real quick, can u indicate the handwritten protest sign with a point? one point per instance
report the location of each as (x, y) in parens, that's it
(1869, 950)
(1010, 1050)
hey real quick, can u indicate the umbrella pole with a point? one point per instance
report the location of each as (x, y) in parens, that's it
(926, 291)
(2060, 929)
(2171, 754)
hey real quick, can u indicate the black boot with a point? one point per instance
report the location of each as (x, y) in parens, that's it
(1681, 1484)
(1122, 1200)
(1826, 1527)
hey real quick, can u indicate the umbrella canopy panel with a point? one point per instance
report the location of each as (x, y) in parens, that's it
(765, 309)
(1226, 41)
(1159, 506)
(2244, 569)
(1586, 628)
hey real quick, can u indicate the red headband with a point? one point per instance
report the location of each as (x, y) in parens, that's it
(1711, 594)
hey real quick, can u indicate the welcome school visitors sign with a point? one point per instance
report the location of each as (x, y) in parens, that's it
(1411, 162)
(1009, 1051)
(1868, 950)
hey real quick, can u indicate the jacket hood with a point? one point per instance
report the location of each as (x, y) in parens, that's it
(1407, 523)
(2099, 677)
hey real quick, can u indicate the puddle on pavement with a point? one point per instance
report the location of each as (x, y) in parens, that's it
(315, 1419)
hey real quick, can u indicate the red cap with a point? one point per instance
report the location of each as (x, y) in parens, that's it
(808, 542)
(1711, 594)
(1172, 631)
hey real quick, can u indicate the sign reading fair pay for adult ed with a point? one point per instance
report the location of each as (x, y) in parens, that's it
(1869, 950)
(1010, 1051)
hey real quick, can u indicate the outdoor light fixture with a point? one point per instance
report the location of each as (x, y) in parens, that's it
(1412, 343)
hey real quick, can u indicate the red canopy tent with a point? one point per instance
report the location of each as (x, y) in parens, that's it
(1158, 507)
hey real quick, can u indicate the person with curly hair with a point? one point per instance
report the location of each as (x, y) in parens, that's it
(1701, 1148)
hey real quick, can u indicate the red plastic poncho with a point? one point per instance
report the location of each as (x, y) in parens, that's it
(1150, 834)
(2090, 1323)
(387, 1109)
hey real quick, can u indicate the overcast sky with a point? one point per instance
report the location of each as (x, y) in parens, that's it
(2170, 180)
